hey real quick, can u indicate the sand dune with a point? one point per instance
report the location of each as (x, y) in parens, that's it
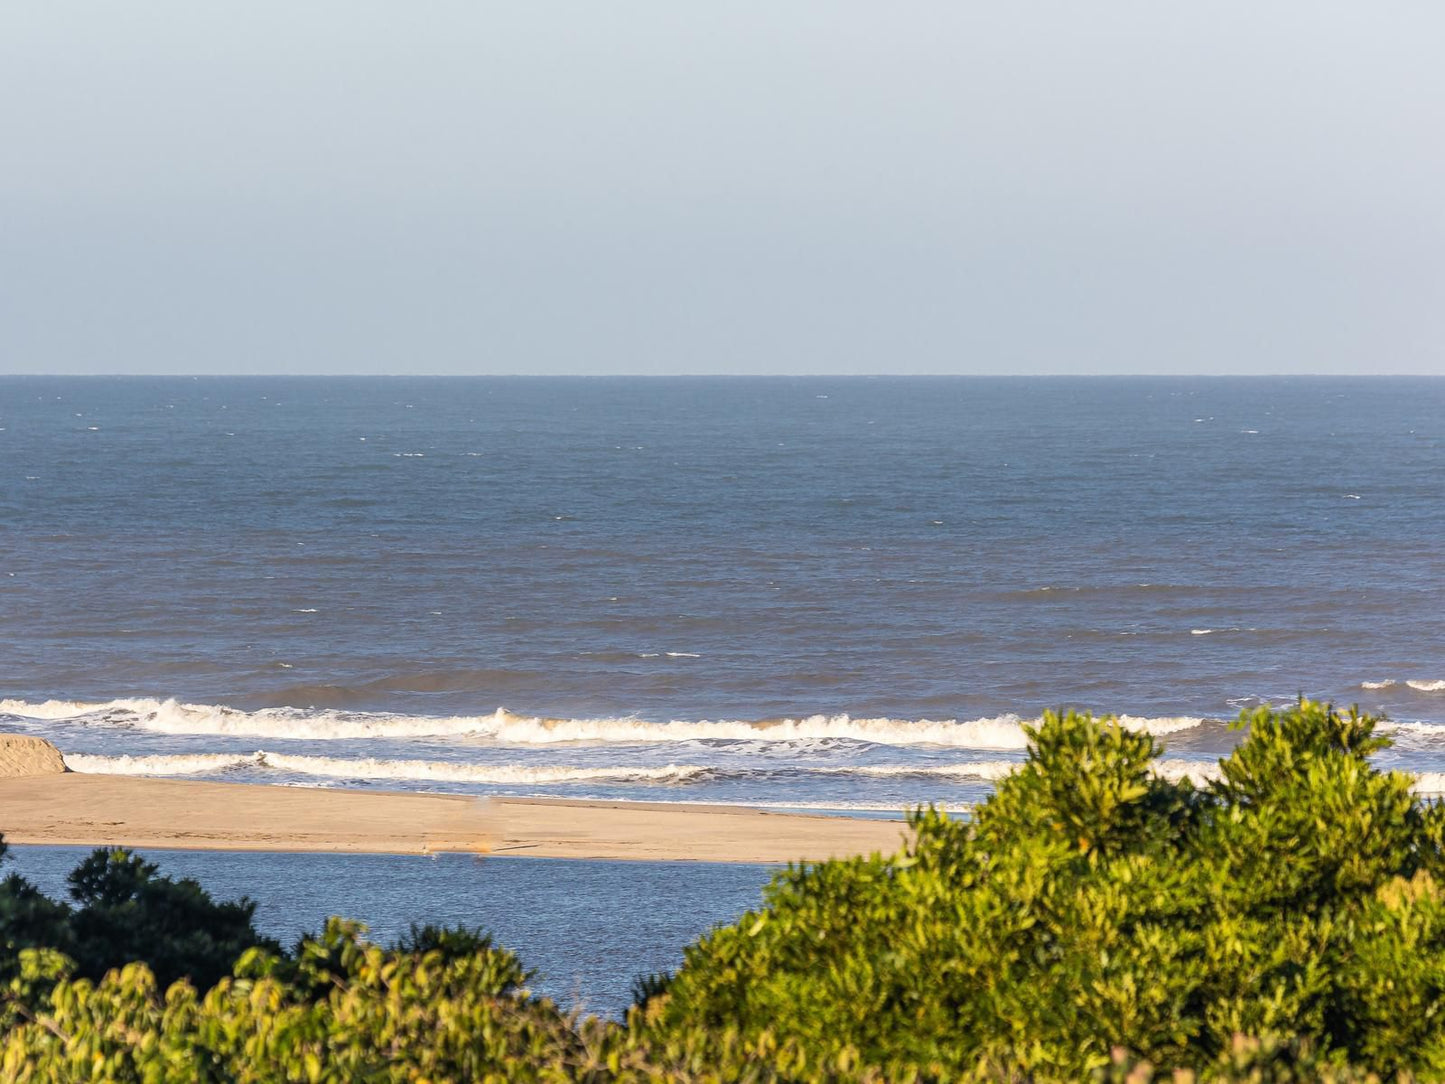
(22, 755)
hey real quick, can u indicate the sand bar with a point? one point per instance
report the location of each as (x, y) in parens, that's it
(99, 810)
(557, 828)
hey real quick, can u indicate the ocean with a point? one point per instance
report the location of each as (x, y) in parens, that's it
(836, 594)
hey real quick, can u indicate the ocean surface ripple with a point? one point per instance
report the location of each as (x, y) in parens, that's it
(830, 593)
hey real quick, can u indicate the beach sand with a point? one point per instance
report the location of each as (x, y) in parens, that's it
(42, 803)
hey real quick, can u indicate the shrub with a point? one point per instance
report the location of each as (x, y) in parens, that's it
(1090, 904)
(341, 1010)
(125, 912)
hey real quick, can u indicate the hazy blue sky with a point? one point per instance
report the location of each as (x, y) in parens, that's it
(662, 187)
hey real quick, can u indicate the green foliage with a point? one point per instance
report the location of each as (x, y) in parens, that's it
(1092, 921)
(1091, 905)
(349, 1011)
(29, 920)
(125, 912)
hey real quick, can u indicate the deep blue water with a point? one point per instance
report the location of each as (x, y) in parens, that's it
(354, 575)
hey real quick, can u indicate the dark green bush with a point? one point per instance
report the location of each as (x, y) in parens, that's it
(124, 911)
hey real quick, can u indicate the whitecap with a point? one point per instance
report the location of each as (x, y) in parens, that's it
(371, 769)
(175, 764)
(368, 768)
(502, 726)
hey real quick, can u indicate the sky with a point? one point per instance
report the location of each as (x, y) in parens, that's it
(789, 186)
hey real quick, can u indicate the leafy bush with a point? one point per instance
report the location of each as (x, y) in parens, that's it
(1091, 921)
(340, 1010)
(1090, 905)
(125, 912)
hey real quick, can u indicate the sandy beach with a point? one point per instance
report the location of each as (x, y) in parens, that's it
(42, 803)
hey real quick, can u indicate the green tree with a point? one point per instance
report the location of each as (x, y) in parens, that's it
(124, 911)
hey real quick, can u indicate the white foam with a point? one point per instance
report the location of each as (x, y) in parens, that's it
(1430, 782)
(178, 764)
(993, 770)
(1003, 732)
(371, 768)
(450, 772)
(1427, 686)
(54, 709)
(1433, 730)
(1198, 771)
(1385, 684)
(1200, 632)
(1161, 725)
(172, 717)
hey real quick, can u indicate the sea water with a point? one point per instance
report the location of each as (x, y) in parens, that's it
(825, 593)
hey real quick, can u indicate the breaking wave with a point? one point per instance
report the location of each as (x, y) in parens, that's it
(1418, 684)
(178, 764)
(1004, 732)
(370, 768)
(993, 770)
(367, 768)
(420, 771)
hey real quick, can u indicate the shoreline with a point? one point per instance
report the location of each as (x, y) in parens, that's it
(140, 812)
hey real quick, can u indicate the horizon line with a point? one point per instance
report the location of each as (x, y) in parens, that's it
(729, 376)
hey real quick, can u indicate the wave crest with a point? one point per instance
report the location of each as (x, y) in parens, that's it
(519, 775)
(367, 768)
(1420, 685)
(1004, 732)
